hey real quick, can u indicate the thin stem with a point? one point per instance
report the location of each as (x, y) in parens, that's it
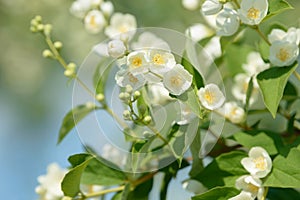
(297, 75)
(265, 194)
(121, 122)
(144, 178)
(237, 3)
(257, 29)
(96, 194)
(156, 132)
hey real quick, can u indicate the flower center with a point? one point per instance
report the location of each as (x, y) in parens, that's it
(176, 81)
(158, 59)
(252, 188)
(260, 163)
(93, 21)
(283, 54)
(123, 29)
(137, 62)
(133, 79)
(209, 97)
(253, 13)
(234, 111)
(245, 87)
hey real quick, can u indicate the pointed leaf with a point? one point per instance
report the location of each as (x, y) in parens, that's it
(218, 193)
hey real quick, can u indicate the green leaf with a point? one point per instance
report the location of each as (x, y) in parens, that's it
(197, 165)
(272, 83)
(71, 182)
(126, 192)
(248, 94)
(101, 75)
(282, 194)
(286, 171)
(276, 7)
(260, 139)
(218, 193)
(98, 173)
(231, 162)
(191, 99)
(141, 192)
(197, 78)
(72, 118)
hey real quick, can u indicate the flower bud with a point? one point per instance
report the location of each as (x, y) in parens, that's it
(40, 27)
(116, 48)
(147, 119)
(38, 18)
(58, 45)
(190, 4)
(100, 97)
(90, 105)
(47, 53)
(47, 29)
(122, 96)
(127, 114)
(107, 8)
(71, 66)
(128, 89)
(33, 29)
(33, 22)
(136, 94)
(68, 73)
(211, 7)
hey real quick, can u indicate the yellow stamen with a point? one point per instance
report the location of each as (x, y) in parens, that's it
(133, 79)
(158, 59)
(283, 54)
(176, 80)
(137, 62)
(210, 98)
(123, 29)
(260, 163)
(93, 21)
(252, 188)
(253, 13)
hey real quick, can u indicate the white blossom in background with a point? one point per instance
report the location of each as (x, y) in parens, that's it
(227, 22)
(213, 48)
(116, 48)
(160, 61)
(124, 77)
(94, 21)
(101, 49)
(198, 32)
(284, 48)
(283, 53)
(211, 96)
(79, 8)
(191, 4)
(107, 8)
(259, 163)
(233, 112)
(158, 94)
(50, 184)
(137, 62)
(255, 64)
(111, 153)
(148, 40)
(186, 114)
(211, 7)
(252, 12)
(251, 185)
(240, 87)
(242, 196)
(177, 80)
(211, 20)
(122, 26)
(194, 186)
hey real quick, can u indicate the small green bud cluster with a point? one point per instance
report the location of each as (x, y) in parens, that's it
(70, 70)
(36, 26)
(100, 97)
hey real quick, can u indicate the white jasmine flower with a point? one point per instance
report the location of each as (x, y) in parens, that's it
(227, 22)
(137, 62)
(177, 80)
(96, 3)
(233, 112)
(213, 48)
(153, 77)
(80, 7)
(148, 40)
(107, 8)
(124, 77)
(190, 4)
(161, 61)
(111, 153)
(255, 64)
(94, 21)
(242, 196)
(158, 94)
(198, 32)
(122, 26)
(50, 184)
(101, 50)
(240, 88)
(251, 185)
(259, 163)
(116, 48)
(283, 53)
(252, 12)
(211, 7)
(211, 96)
(292, 35)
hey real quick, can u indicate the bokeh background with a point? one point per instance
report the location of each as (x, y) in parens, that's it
(34, 94)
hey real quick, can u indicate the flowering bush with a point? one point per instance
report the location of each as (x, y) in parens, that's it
(151, 101)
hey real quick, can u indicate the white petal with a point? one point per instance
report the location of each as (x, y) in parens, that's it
(211, 97)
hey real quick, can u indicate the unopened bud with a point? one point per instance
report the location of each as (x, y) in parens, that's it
(58, 45)
(68, 73)
(136, 94)
(147, 119)
(33, 29)
(100, 97)
(71, 66)
(90, 105)
(33, 22)
(47, 29)
(38, 18)
(129, 88)
(121, 96)
(40, 27)
(126, 114)
(47, 53)
(126, 96)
